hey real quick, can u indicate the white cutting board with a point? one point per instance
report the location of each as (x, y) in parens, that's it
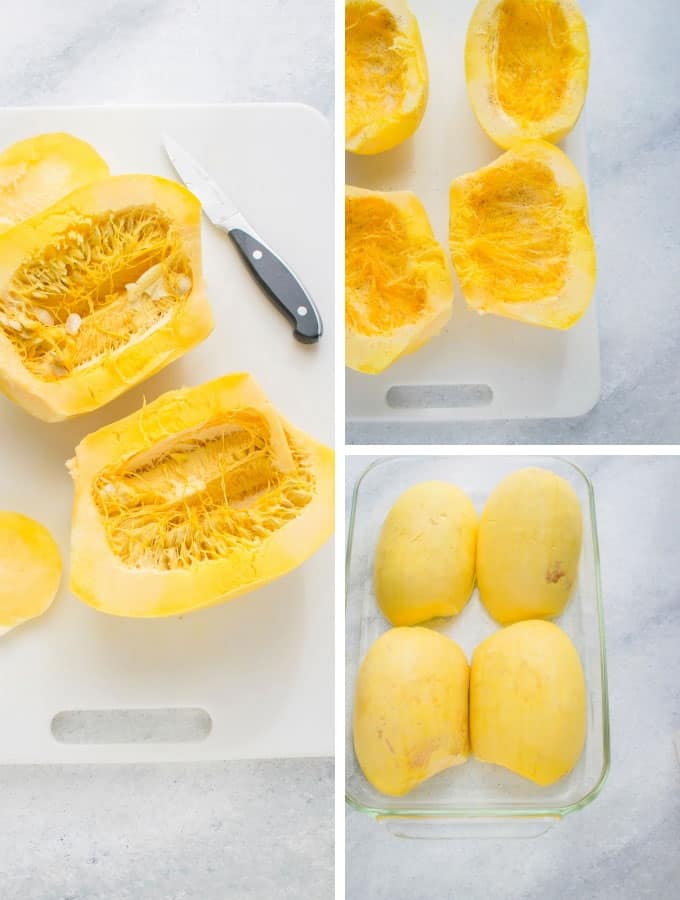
(479, 367)
(261, 665)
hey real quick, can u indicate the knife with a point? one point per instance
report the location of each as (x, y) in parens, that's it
(282, 286)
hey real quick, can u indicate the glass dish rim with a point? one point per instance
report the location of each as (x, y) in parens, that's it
(491, 812)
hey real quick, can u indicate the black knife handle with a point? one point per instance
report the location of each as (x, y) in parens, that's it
(282, 287)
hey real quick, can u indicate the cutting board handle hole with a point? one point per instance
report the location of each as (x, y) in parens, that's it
(438, 396)
(131, 726)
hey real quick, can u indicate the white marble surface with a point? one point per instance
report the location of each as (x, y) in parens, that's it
(626, 844)
(633, 119)
(242, 830)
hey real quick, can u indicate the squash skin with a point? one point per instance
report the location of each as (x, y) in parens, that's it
(528, 704)
(529, 545)
(562, 309)
(30, 569)
(96, 384)
(101, 579)
(390, 130)
(410, 716)
(425, 558)
(480, 48)
(66, 164)
(373, 353)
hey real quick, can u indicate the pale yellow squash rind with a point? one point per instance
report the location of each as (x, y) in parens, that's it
(30, 569)
(96, 384)
(100, 578)
(529, 545)
(394, 123)
(425, 558)
(568, 68)
(528, 706)
(374, 352)
(410, 716)
(35, 173)
(560, 308)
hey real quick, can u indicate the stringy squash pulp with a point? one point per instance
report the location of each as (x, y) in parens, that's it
(200, 496)
(520, 240)
(526, 66)
(386, 82)
(99, 292)
(30, 569)
(399, 290)
(37, 172)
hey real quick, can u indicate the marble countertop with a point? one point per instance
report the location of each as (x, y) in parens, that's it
(168, 832)
(633, 119)
(626, 844)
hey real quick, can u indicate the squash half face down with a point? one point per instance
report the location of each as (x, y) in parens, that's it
(526, 67)
(202, 495)
(386, 80)
(37, 172)
(99, 292)
(399, 289)
(520, 240)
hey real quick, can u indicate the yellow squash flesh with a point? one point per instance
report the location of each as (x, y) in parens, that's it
(520, 240)
(410, 718)
(386, 81)
(98, 293)
(37, 172)
(526, 67)
(30, 569)
(528, 701)
(529, 546)
(399, 290)
(425, 559)
(201, 496)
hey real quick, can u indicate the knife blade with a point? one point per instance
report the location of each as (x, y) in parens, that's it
(280, 283)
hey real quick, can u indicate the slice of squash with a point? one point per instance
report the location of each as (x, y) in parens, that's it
(386, 82)
(30, 569)
(526, 67)
(202, 495)
(399, 290)
(37, 172)
(520, 240)
(99, 292)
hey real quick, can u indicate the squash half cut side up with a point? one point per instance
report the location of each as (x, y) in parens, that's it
(99, 292)
(386, 80)
(526, 68)
(520, 240)
(201, 496)
(399, 289)
(38, 171)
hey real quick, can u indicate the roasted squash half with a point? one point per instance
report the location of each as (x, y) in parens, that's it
(202, 495)
(526, 66)
(399, 290)
(99, 292)
(386, 81)
(520, 240)
(37, 172)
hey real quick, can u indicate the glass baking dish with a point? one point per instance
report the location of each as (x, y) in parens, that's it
(474, 799)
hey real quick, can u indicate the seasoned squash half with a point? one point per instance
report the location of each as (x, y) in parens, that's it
(399, 290)
(526, 66)
(386, 81)
(37, 172)
(99, 292)
(520, 240)
(202, 495)
(30, 569)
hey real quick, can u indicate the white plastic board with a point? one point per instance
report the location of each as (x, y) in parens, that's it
(260, 666)
(502, 369)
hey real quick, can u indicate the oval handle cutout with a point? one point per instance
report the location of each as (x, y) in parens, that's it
(131, 726)
(438, 396)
